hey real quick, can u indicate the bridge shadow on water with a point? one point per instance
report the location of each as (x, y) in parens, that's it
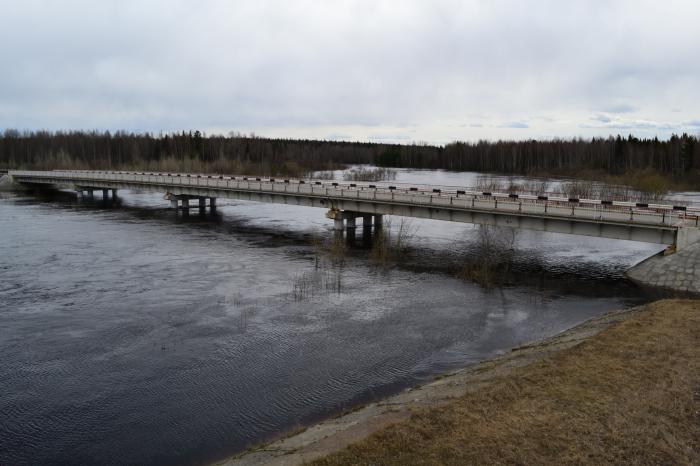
(529, 268)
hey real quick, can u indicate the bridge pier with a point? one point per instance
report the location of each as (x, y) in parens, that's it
(378, 221)
(89, 192)
(347, 220)
(181, 202)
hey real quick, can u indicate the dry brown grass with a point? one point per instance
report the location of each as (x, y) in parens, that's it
(630, 395)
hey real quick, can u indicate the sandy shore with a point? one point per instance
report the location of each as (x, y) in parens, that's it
(334, 434)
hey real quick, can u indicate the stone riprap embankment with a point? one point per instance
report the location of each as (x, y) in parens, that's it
(679, 271)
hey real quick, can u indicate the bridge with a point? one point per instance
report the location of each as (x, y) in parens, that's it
(673, 225)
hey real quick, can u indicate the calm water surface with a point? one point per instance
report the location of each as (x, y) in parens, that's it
(131, 335)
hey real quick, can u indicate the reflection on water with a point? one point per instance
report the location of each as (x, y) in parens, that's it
(131, 335)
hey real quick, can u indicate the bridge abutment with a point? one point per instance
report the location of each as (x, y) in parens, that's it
(677, 268)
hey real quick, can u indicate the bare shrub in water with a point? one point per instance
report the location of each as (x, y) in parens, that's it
(489, 183)
(535, 187)
(370, 174)
(324, 175)
(650, 186)
(390, 243)
(579, 189)
(329, 258)
(316, 282)
(494, 251)
(614, 192)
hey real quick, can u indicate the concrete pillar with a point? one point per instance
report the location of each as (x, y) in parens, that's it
(185, 204)
(105, 194)
(338, 224)
(212, 203)
(173, 203)
(367, 221)
(378, 221)
(350, 223)
(202, 203)
(90, 193)
(350, 236)
(114, 194)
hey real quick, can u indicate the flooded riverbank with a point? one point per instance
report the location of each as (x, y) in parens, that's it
(134, 335)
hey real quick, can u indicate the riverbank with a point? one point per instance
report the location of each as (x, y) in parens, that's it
(623, 387)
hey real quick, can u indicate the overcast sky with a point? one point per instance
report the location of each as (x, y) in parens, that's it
(401, 71)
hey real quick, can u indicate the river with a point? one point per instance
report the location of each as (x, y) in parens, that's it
(132, 335)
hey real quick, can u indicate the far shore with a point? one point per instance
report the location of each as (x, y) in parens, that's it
(618, 378)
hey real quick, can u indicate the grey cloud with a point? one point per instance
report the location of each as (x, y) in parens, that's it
(601, 118)
(514, 124)
(389, 137)
(315, 68)
(620, 108)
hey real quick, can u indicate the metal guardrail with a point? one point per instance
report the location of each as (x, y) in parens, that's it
(598, 210)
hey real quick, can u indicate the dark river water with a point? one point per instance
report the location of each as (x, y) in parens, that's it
(132, 335)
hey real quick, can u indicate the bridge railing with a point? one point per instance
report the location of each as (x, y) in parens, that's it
(585, 209)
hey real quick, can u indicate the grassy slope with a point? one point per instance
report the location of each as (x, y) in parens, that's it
(629, 395)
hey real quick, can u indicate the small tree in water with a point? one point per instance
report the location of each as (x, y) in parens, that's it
(493, 254)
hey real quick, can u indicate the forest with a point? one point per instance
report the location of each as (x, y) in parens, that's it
(677, 158)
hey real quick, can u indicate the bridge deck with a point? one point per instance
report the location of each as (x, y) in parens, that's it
(623, 220)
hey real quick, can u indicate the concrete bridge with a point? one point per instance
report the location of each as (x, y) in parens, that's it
(673, 225)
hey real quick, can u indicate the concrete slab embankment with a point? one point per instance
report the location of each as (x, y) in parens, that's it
(679, 271)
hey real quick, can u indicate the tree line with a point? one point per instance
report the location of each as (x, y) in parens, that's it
(678, 157)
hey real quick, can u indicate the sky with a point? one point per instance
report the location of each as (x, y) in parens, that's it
(403, 71)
